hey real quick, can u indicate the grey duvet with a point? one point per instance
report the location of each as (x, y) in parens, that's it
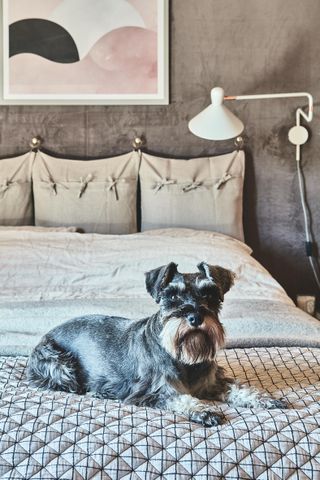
(49, 277)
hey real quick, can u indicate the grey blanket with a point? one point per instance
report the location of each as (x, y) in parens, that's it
(255, 323)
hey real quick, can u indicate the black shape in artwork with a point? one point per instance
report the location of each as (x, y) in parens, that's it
(44, 38)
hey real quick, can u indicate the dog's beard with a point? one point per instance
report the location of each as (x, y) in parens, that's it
(191, 345)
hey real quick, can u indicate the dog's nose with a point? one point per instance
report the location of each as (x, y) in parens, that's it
(194, 319)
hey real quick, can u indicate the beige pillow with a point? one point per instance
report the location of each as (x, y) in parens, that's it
(95, 195)
(201, 193)
(16, 205)
(32, 228)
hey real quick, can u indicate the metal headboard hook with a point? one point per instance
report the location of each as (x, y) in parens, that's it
(36, 143)
(239, 143)
(138, 143)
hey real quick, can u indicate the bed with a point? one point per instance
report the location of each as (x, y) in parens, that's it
(50, 276)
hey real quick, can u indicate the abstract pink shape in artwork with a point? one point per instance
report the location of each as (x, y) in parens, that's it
(131, 51)
(108, 65)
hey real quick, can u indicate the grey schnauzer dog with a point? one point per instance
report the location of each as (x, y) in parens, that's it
(166, 361)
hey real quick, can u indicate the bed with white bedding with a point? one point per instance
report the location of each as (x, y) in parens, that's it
(49, 277)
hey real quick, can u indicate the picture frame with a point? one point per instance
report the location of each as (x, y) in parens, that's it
(122, 60)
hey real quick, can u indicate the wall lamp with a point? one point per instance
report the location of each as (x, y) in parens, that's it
(217, 122)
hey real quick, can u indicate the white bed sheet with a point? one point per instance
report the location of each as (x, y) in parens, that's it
(48, 277)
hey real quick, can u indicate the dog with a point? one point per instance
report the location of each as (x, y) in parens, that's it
(165, 361)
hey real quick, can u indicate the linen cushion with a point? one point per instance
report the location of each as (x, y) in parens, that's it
(32, 228)
(97, 196)
(201, 193)
(16, 204)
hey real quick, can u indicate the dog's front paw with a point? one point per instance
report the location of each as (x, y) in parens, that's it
(207, 418)
(271, 403)
(276, 403)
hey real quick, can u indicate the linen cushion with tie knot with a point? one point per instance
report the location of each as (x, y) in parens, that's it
(97, 196)
(201, 193)
(16, 203)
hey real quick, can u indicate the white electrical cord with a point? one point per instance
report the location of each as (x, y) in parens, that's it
(311, 258)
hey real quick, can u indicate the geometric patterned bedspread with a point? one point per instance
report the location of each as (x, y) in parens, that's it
(47, 435)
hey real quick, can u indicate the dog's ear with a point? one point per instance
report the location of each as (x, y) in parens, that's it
(220, 276)
(159, 278)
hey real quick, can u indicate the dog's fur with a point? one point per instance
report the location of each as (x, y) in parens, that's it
(167, 360)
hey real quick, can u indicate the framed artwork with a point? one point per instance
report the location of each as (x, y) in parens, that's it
(84, 52)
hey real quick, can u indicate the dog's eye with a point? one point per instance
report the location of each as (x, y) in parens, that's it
(173, 297)
(207, 294)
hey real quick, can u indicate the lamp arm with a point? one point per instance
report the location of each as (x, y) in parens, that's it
(299, 112)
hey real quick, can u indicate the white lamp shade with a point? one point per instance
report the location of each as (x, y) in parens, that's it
(216, 122)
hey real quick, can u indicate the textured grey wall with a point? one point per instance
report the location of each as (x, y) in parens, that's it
(246, 46)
